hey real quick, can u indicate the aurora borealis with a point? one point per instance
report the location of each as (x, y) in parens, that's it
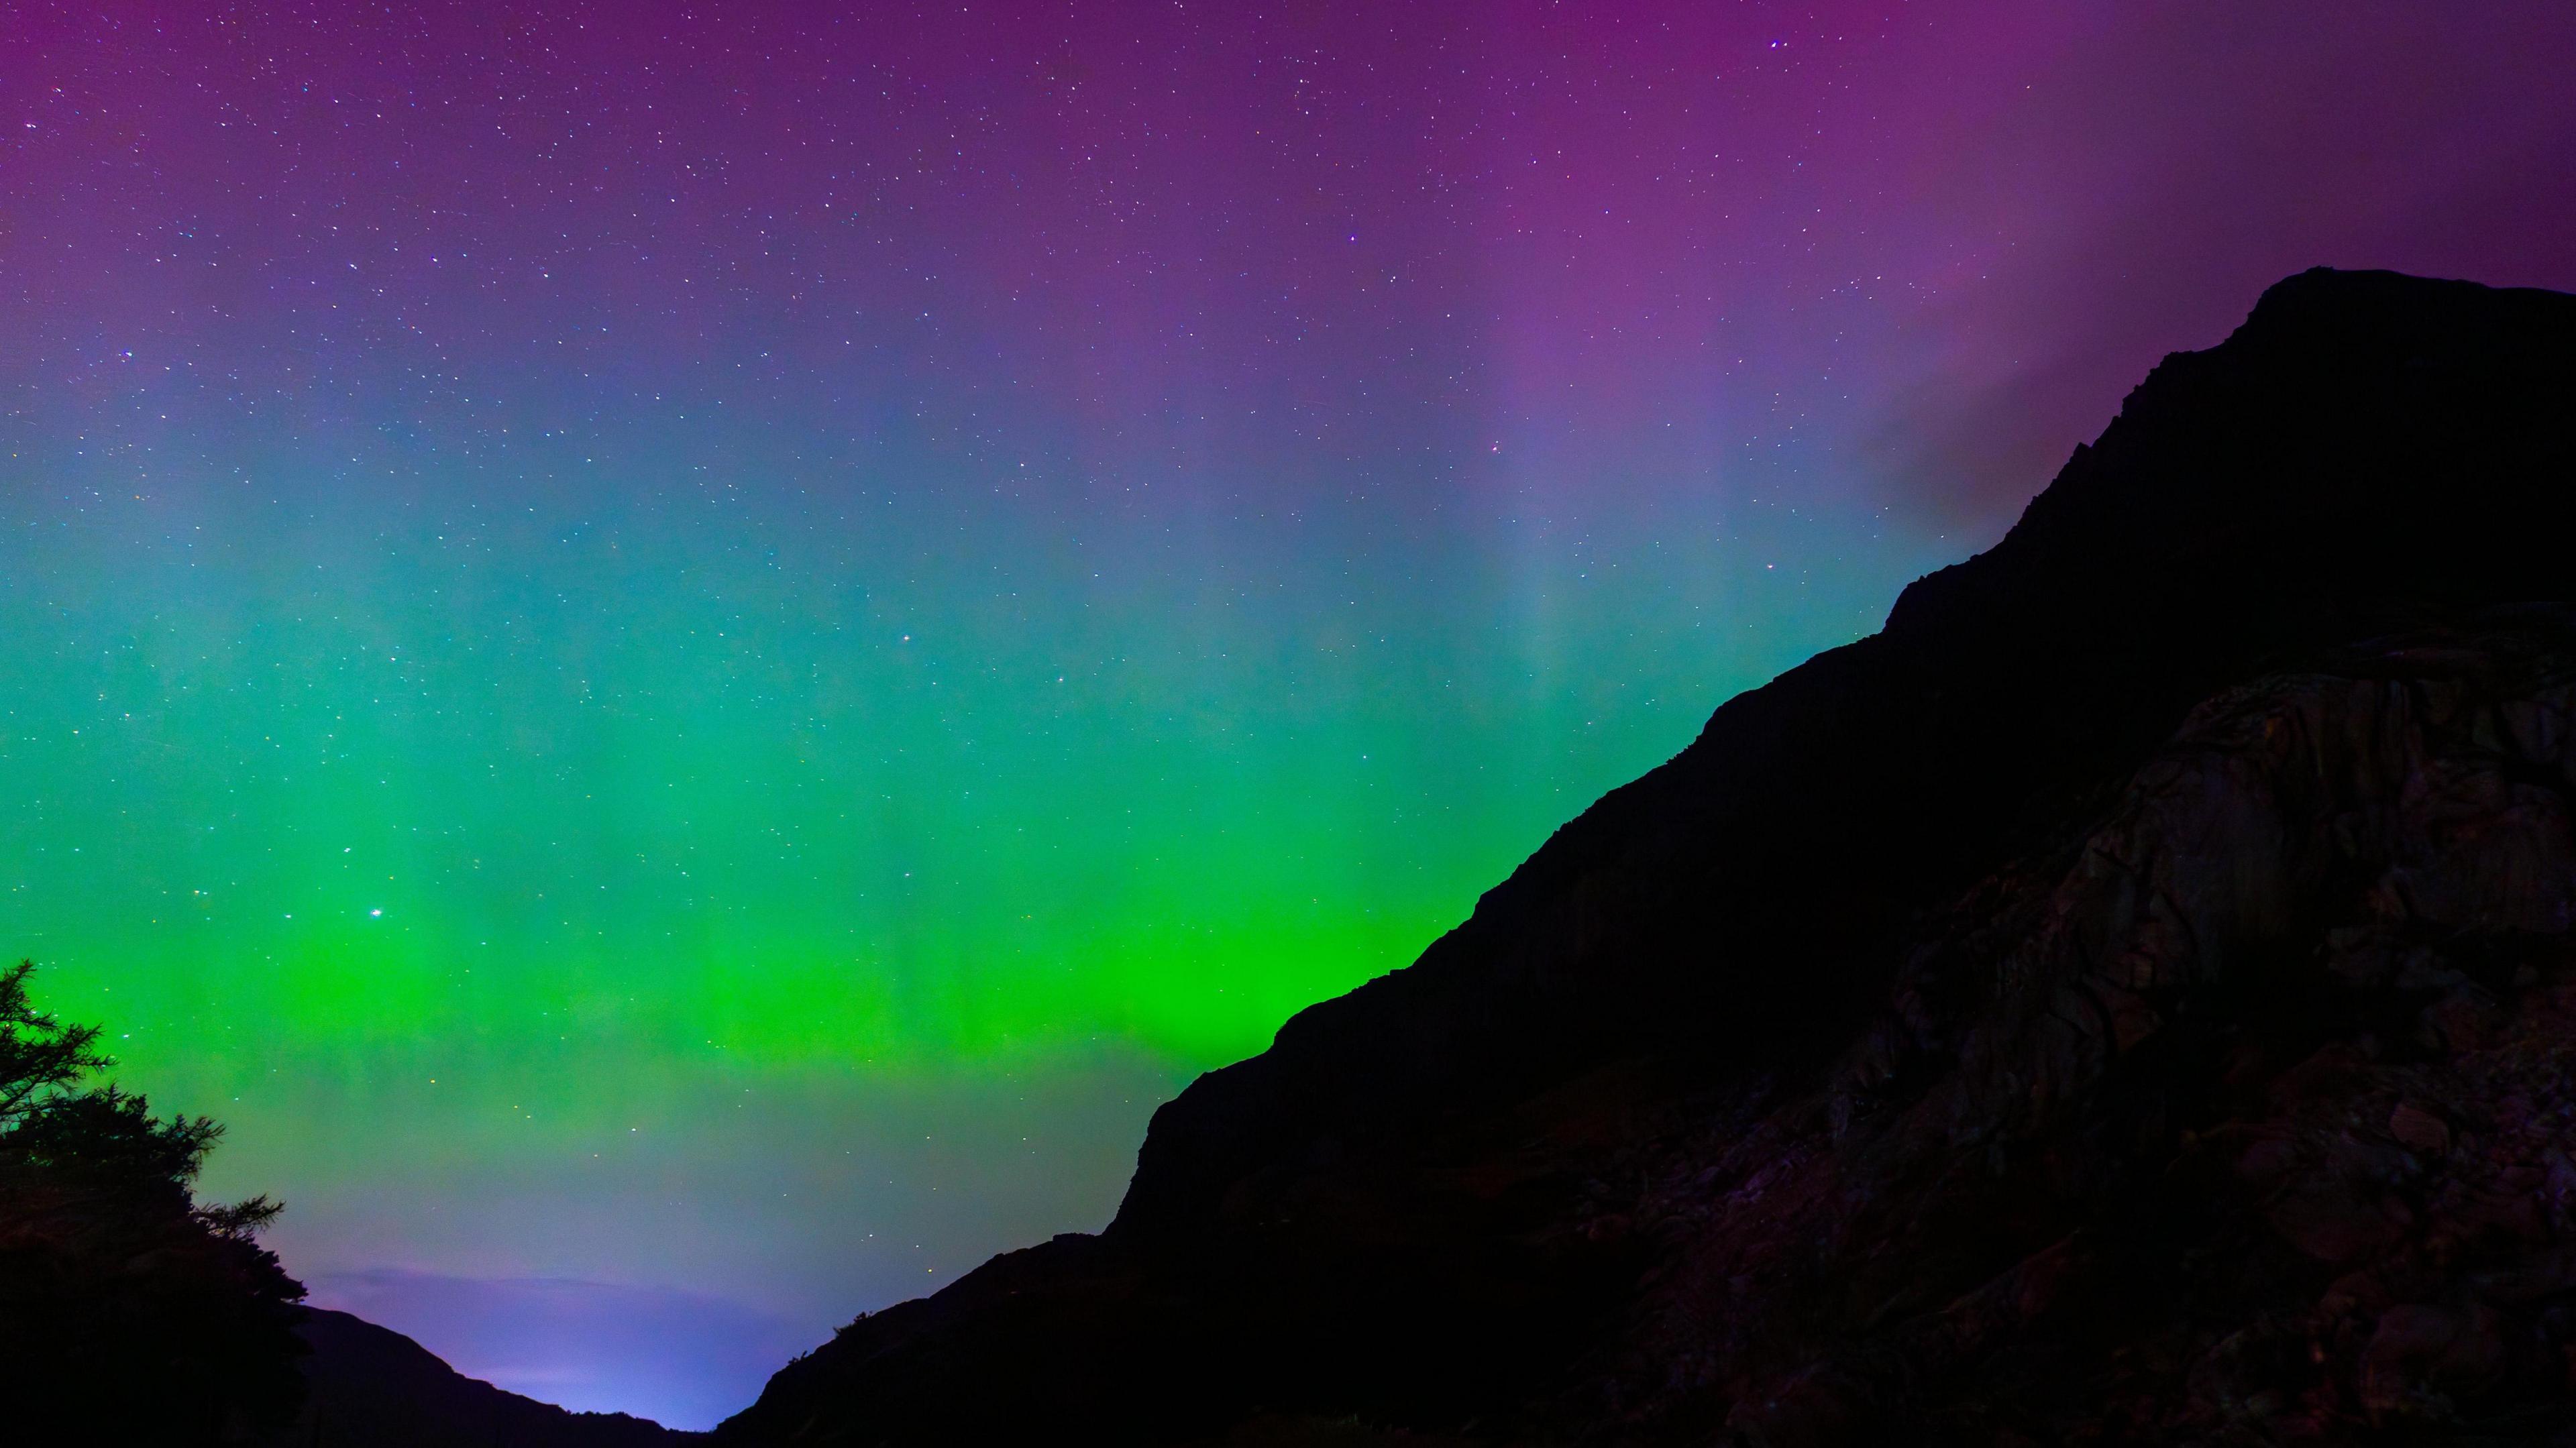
(683, 656)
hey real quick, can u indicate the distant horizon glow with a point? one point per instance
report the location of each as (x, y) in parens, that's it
(698, 652)
(674, 1357)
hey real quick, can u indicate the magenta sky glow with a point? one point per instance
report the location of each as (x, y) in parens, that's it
(992, 551)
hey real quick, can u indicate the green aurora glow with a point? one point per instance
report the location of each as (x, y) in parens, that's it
(456, 859)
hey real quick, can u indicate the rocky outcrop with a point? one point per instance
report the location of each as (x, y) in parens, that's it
(2116, 1001)
(2245, 1114)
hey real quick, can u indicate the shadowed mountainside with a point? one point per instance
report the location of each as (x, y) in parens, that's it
(372, 1387)
(2129, 996)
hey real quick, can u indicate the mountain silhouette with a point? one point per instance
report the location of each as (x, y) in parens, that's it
(2128, 998)
(372, 1387)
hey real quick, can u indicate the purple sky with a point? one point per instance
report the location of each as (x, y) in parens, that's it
(934, 570)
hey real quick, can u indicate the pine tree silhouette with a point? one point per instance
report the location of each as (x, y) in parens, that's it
(128, 1311)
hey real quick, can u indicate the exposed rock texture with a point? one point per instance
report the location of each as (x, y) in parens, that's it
(2246, 1116)
(2128, 999)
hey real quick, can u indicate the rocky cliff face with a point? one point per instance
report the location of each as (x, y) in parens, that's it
(2242, 1114)
(2121, 1000)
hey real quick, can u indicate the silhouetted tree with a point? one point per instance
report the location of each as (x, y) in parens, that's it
(128, 1312)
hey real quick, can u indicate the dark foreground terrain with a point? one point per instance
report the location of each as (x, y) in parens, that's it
(372, 1387)
(2131, 999)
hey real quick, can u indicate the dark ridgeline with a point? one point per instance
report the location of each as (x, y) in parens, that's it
(2131, 997)
(133, 1314)
(372, 1387)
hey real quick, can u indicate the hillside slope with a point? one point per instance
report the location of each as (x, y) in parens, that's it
(2118, 1000)
(372, 1387)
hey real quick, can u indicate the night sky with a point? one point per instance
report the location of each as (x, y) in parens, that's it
(684, 656)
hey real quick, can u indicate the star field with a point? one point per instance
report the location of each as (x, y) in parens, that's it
(689, 653)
